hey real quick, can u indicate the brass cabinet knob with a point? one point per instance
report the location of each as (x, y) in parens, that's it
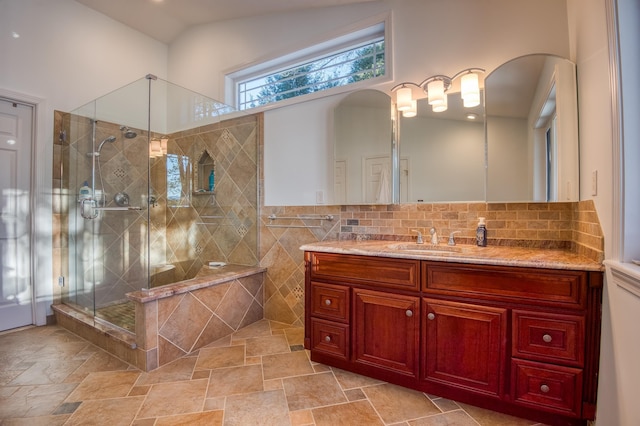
(544, 389)
(431, 315)
(409, 313)
(327, 302)
(547, 338)
(327, 338)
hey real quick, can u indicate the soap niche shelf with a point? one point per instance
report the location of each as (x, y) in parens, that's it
(201, 176)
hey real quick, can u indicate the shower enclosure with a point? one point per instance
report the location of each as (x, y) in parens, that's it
(159, 187)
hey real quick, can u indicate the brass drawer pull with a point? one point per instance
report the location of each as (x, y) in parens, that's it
(544, 389)
(431, 316)
(327, 302)
(409, 313)
(547, 338)
(327, 338)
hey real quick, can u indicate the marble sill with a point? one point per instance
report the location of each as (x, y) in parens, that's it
(218, 276)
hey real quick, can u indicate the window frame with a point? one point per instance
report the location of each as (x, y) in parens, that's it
(297, 55)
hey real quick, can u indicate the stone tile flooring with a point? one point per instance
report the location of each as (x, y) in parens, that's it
(261, 375)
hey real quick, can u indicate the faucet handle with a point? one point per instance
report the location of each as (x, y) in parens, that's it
(452, 241)
(419, 240)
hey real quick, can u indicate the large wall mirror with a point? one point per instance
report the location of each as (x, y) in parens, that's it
(362, 149)
(532, 130)
(521, 145)
(442, 154)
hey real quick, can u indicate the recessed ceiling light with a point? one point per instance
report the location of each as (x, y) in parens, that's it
(15, 34)
(11, 141)
(472, 116)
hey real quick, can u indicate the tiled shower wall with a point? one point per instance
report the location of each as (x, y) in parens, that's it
(219, 226)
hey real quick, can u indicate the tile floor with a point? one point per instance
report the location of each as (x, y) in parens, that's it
(261, 375)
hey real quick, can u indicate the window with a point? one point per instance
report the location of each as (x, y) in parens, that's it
(348, 59)
(178, 170)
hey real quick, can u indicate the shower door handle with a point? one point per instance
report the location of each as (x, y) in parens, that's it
(88, 209)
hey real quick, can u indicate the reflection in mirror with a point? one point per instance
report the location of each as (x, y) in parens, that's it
(532, 130)
(362, 150)
(442, 154)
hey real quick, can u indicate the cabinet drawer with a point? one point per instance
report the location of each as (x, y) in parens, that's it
(549, 337)
(330, 338)
(557, 288)
(545, 386)
(330, 301)
(383, 272)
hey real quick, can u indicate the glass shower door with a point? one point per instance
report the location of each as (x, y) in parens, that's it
(109, 223)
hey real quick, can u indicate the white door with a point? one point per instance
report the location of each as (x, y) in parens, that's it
(340, 182)
(405, 182)
(376, 179)
(16, 299)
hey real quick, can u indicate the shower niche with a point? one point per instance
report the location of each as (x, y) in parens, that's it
(204, 175)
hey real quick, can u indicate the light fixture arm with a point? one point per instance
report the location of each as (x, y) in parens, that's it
(405, 84)
(445, 80)
(467, 71)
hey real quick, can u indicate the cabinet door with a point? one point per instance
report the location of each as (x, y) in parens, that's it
(464, 345)
(386, 331)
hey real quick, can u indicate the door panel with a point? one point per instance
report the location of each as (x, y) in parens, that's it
(464, 345)
(16, 301)
(387, 331)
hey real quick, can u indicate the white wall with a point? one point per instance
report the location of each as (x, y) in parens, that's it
(507, 148)
(446, 163)
(426, 40)
(66, 56)
(619, 367)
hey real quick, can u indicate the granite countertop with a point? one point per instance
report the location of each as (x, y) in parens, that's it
(490, 255)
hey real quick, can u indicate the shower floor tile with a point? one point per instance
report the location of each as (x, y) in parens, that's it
(234, 381)
(123, 315)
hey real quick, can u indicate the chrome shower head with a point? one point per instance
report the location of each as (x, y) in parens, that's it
(128, 133)
(110, 139)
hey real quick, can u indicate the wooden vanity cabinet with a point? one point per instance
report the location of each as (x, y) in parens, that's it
(376, 330)
(386, 332)
(464, 346)
(523, 341)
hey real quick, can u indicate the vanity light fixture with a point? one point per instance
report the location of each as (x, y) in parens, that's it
(413, 111)
(436, 88)
(403, 98)
(155, 148)
(163, 144)
(158, 147)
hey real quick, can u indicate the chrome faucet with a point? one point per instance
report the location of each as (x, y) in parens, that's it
(452, 240)
(419, 240)
(434, 236)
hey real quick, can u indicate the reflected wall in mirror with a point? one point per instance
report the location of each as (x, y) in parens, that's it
(532, 130)
(442, 154)
(362, 150)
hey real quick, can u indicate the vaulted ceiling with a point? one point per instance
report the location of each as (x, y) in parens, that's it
(164, 20)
